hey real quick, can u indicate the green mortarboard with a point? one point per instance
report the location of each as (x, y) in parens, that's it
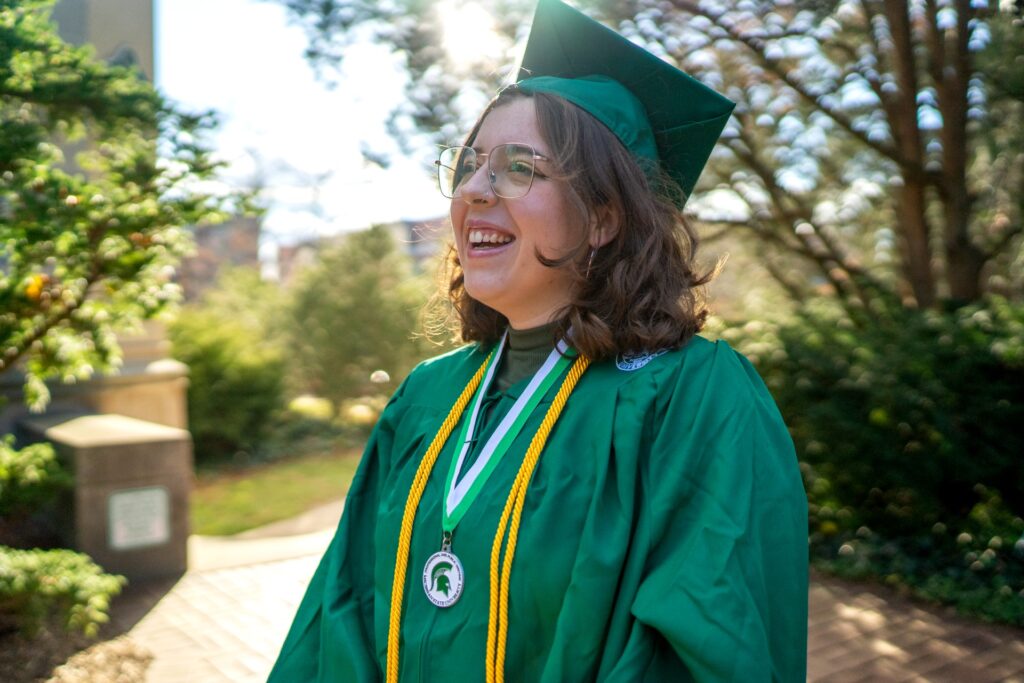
(658, 112)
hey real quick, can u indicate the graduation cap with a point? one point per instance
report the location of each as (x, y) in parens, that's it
(662, 115)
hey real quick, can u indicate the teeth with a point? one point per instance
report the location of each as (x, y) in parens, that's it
(481, 237)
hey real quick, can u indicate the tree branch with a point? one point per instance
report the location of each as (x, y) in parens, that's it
(725, 227)
(775, 66)
(13, 354)
(793, 290)
(827, 259)
(1000, 245)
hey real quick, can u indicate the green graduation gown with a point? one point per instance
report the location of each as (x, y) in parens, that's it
(663, 538)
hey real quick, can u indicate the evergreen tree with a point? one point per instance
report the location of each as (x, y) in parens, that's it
(88, 244)
(355, 312)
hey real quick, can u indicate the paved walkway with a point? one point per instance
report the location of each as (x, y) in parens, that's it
(224, 620)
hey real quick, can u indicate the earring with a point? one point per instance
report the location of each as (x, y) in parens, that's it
(590, 262)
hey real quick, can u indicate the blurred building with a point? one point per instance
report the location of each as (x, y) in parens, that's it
(292, 259)
(423, 241)
(120, 30)
(235, 242)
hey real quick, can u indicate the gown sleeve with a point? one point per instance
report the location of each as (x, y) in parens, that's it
(332, 637)
(724, 587)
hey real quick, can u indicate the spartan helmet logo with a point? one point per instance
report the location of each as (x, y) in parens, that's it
(443, 579)
(439, 578)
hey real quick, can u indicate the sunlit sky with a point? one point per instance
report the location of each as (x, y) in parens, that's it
(282, 127)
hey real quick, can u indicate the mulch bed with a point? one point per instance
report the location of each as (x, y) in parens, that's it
(55, 656)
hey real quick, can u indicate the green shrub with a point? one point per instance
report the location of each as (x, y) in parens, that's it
(32, 484)
(29, 477)
(353, 314)
(296, 434)
(236, 383)
(38, 584)
(905, 428)
(902, 418)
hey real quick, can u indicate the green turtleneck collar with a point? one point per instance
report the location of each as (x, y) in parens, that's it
(526, 351)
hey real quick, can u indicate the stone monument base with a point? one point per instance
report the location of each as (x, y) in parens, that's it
(132, 484)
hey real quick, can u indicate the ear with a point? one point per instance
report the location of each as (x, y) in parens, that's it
(604, 226)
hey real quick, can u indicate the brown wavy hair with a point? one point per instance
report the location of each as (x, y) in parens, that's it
(639, 291)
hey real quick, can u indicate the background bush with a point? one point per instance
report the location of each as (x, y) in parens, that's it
(236, 384)
(38, 584)
(33, 484)
(29, 477)
(252, 345)
(354, 312)
(908, 431)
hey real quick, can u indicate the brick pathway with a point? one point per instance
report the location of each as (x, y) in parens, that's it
(224, 624)
(865, 634)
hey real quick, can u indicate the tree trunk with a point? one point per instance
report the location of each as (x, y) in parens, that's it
(913, 231)
(964, 261)
(911, 201)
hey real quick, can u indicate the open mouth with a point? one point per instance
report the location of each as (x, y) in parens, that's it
(488, 239)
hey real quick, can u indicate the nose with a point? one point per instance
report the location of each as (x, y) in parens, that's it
(476, 189)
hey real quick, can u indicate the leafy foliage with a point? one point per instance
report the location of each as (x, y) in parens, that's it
(87, 244)
(250, 343)
(975, 563)
(907, 431)
(29, 477)
(35, 584)
(237, 368)
(353, 313)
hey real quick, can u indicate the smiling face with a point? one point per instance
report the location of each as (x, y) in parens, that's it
(498, 239)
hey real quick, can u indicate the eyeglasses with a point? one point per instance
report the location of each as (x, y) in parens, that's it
(510, 169)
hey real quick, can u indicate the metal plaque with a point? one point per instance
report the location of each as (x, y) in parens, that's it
(139, 518)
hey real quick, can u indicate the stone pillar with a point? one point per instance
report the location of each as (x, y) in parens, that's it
(149, 386)
(132, 483)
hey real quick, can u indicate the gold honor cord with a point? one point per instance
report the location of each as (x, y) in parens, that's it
(513, 507)
(419, 483)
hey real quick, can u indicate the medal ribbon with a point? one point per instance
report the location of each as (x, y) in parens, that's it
(461, 493)
(497, 629)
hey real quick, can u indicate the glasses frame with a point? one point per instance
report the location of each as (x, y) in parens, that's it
(492, 177)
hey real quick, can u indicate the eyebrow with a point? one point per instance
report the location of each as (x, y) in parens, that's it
(480, 150)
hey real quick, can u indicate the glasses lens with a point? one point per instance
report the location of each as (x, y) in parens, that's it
(454, 166)
(511, 169)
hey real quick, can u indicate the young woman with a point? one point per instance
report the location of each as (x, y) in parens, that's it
(588, 491)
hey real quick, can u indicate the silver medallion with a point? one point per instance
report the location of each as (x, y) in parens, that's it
(443, 578)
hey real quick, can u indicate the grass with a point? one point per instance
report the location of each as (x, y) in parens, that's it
(225, 503)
